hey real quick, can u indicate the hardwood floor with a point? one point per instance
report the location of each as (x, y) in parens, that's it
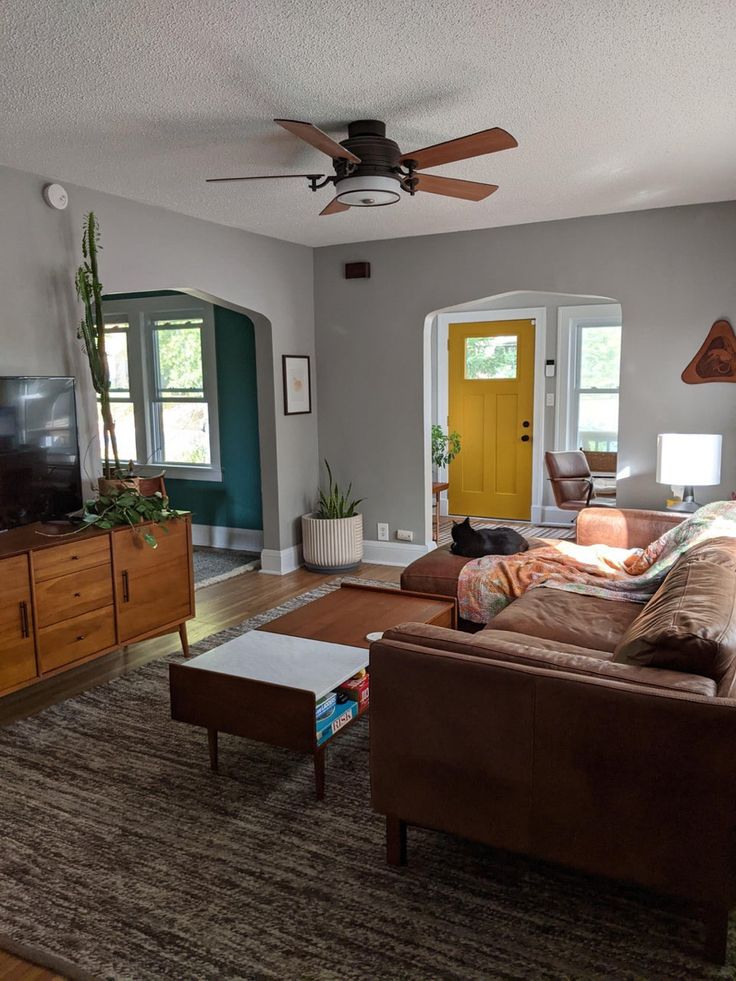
(221, 605)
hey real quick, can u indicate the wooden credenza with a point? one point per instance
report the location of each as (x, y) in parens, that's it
(67, 599)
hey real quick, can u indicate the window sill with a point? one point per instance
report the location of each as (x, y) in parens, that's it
(173, 471)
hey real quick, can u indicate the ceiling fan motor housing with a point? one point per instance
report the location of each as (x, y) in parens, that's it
(375, 180)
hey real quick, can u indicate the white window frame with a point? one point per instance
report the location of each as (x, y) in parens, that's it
(570, 321)
(141, 314)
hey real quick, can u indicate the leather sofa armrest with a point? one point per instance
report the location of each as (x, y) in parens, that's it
(624, 528)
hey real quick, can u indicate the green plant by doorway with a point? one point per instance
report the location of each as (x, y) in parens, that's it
(334, 503)
(445, 447)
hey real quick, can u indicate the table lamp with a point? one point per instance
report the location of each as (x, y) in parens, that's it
(688, 459)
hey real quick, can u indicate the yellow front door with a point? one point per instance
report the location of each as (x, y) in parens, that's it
(491, 398)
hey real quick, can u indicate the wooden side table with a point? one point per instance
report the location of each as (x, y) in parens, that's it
(437, 488)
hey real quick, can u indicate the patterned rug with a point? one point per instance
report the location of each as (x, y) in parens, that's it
(525, 528)
(124, 855)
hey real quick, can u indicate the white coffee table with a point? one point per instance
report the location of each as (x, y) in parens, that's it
(263, 686)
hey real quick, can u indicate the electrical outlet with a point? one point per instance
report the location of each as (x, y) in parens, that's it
(405, 536)
(549, 398)
(382, 531)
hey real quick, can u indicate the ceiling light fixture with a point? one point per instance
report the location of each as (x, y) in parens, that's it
(368, 192)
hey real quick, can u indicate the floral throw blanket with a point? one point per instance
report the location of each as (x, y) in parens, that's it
(487, 585)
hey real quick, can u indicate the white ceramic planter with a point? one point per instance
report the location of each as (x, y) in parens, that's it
(332, 544)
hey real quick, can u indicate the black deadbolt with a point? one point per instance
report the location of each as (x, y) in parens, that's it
(525, 424)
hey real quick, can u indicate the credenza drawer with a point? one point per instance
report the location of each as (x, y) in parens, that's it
(68, 641)
(69, 596)
(73, 557)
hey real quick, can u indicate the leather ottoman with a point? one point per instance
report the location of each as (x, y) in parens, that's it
(437, 573)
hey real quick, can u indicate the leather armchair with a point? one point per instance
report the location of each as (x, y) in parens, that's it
(572, 481)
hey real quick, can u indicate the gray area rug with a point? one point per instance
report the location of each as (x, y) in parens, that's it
(213, 565)
(123, 853)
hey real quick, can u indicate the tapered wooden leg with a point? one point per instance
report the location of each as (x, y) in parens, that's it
(716, 934)
(395, 840)
(212, 744)
(319, 772)
(184, 639)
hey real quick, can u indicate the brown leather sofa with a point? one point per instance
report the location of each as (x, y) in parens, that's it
(600, 735)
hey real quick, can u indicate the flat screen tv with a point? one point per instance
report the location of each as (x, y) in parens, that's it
(39, 451)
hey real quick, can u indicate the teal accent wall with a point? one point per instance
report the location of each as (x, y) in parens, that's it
(236, 501)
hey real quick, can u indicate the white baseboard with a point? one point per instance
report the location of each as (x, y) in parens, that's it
(394, 553)
(547, 515)
(217, 536)
(278, 562)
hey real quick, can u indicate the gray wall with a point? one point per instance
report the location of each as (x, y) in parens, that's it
(147, 248)
(673, 271)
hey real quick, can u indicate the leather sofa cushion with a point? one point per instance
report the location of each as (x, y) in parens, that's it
(437, 571)
(690, 622)
(625, 528)
(568, 618)
(540, 653)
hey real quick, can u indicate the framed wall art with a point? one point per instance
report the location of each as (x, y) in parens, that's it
(297, 385)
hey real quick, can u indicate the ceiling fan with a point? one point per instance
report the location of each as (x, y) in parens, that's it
(371, 171)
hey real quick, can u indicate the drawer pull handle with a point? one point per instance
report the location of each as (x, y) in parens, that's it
(80, 637)
(24, 627)
(74, 558)
(126, 587)
(77, 595)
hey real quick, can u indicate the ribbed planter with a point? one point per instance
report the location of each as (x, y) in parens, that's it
(332, 544)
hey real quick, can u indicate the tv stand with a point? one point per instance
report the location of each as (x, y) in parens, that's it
(72, 596)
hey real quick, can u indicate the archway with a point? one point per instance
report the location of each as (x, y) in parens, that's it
(544, 308)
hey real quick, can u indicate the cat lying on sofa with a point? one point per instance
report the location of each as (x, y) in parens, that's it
(474, 543)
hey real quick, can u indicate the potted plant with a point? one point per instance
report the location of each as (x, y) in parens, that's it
(332, 536)
(91, 332)
(445, 447)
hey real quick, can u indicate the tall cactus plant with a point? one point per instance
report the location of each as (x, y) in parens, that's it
(92, 332)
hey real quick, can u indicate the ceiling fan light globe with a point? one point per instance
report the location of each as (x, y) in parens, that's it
(368, 192)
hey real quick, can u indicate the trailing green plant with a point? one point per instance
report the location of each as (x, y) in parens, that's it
(92, 333)
(334, 503)
(445, 446)
(128, 507)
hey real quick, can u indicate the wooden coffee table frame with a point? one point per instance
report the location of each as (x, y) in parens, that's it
(278, 715)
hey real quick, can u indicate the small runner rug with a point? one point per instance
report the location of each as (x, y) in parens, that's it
(124, 857)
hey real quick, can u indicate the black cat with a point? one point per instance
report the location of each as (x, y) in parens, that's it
(473, 543)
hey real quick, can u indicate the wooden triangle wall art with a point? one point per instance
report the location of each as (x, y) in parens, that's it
(716, 359)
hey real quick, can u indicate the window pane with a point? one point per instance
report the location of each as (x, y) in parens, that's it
(184, 432)
(179, 359)
(122, 414)
(116, 346)
(598, 422)
(490, 357)
(600, 357)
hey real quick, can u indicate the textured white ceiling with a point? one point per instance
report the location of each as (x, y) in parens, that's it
(616, 105)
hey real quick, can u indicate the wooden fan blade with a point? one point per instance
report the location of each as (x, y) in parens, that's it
(318, 139)
(454, 188)
(265, 177)
(474, 145)
(333, 207)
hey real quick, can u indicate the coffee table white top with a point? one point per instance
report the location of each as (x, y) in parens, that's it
(278, 659)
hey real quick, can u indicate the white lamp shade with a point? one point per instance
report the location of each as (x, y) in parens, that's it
(690, 459)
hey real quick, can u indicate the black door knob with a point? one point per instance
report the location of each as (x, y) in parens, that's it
(525, 438)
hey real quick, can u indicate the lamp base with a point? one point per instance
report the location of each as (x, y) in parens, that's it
(688, 504)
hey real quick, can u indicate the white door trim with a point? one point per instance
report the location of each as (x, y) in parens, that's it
(539, 316)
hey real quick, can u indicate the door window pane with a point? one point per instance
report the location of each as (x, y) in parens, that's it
(178, 358)
(490, 357)
(184, 432)
(598, 421)
(600, 357)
